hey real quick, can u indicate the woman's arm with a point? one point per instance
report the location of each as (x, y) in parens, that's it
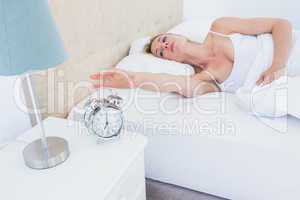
(280, 29)
(187, 86)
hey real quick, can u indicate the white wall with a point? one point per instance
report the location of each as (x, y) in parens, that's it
(13, 121)
(209, 9)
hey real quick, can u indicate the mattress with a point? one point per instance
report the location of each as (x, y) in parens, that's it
(209, 144)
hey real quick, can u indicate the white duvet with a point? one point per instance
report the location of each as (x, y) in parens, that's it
(206, 142)
(278, 98)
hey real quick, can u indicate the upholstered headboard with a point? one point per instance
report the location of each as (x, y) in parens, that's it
(97, 34)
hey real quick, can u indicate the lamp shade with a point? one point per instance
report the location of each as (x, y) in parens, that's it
(29, 39)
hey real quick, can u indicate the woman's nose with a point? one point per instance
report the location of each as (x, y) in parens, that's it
(166, 45)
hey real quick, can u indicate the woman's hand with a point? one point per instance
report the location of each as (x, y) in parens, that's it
(114, 78)
(270, 75)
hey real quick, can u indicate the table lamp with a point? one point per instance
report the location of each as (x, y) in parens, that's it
(29, 41)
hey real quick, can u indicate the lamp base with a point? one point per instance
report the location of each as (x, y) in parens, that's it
(36, 157)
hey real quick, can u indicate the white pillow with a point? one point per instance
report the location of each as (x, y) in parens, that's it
(195, 30)
(150, 63)
(138, 46)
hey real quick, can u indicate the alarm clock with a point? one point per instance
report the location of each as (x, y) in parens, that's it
(104, 117)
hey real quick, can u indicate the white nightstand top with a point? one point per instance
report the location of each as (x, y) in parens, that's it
(74, 179)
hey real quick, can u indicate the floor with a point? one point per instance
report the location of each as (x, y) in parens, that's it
(161, 191)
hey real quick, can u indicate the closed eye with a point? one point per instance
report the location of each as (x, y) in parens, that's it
(164, 39)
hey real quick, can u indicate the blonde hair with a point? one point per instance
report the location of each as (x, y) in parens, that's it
(147, 48)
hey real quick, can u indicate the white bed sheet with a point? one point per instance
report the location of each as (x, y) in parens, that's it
(210, 145)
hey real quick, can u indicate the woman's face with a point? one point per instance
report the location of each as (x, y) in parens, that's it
(169, 46)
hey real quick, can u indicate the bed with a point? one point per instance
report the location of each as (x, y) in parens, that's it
(205, 143)
(209, 144)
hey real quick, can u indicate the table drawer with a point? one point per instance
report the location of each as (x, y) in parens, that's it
(132, 185)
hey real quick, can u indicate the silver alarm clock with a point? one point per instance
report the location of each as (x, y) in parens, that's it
(104, 117)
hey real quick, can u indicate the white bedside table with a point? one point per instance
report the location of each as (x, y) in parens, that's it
(112, 171)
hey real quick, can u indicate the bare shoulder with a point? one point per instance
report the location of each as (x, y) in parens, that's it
(221, 25)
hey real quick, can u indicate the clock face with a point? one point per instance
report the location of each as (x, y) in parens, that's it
(107, 122)
(99, 122)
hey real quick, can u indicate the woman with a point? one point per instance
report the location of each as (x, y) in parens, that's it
(222, 61)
